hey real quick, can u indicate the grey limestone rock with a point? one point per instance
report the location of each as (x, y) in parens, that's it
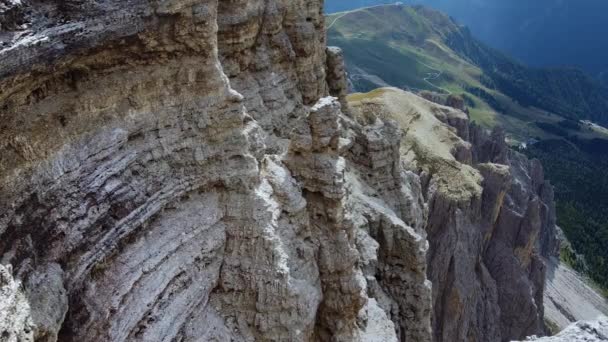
(175, 170)
(491, 219)
(186, 170)
(16, 323)
(588, 331)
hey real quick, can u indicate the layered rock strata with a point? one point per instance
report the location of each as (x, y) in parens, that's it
(569, 298)
(177, 171)
(174, 170)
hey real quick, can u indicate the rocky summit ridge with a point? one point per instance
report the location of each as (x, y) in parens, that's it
(192, 170)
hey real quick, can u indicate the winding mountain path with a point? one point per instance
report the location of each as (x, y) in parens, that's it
(342, 14)
(338, 18)
(431, 76)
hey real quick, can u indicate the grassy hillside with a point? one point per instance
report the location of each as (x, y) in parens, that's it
(417, 48)
(537, 32)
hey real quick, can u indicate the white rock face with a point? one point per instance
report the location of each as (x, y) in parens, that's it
(15, 320)
(591, 331)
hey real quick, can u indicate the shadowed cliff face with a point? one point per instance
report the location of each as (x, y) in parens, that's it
(177, 171)
(490, 219)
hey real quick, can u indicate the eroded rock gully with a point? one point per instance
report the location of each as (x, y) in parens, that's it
(176, 171)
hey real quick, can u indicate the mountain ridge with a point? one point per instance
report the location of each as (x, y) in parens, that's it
(566, 92)
(557, 33)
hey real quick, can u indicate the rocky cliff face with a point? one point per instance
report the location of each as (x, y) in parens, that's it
(175, 171)
(490, 220)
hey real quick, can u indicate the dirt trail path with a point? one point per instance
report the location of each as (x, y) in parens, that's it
(431, 76)
(338, 18)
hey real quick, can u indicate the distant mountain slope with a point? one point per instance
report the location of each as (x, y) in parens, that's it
(420, 48)
(539, 32)
(423, 50)
(333, 6)
(568, 92)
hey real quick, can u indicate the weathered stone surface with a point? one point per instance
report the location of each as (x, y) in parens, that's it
(490, 217)
(15, 315)
(591, 331)
(336, 75)
(175, 170)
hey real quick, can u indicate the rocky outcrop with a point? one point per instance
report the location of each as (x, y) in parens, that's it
(491, 218)
(526, 228)
(15, 315)
(336, 75)
(592, 331)
(177, 170)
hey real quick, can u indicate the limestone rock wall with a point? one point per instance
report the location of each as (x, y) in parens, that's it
(174, 170)
(15, 321)
(178, 170)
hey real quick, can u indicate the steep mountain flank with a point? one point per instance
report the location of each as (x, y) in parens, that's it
(543, 33)
(568, 92)
(490, 219)
(178, 171)
(419, 48)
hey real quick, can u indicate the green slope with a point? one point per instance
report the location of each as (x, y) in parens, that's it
(568, 92)
(417, 48)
